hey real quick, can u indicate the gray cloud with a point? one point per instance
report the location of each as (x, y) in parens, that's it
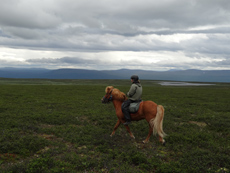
(64, 60)
(200, 29)
(27, 14)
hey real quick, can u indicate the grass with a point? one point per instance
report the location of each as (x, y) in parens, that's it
(61, 126)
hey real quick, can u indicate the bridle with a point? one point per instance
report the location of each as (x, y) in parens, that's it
(105, 99)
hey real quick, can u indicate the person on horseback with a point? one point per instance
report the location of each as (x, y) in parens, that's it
(134, 94)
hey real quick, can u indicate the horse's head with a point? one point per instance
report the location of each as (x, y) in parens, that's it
(108, 96)
(113, 94)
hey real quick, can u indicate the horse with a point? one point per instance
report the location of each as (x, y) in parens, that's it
(148, 110)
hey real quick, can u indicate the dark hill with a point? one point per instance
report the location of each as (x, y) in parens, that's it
(174, 75)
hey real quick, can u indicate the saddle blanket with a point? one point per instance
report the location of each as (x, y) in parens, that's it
(134, 107)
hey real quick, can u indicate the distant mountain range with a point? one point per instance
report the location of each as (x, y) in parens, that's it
(173, 75)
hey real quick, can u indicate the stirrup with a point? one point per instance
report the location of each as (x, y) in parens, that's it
(127, 123)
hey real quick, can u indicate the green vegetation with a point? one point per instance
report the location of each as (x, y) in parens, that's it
(62, 126)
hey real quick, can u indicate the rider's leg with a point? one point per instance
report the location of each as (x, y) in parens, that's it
(125, 110)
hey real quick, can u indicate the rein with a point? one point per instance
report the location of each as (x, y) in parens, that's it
(110, 97)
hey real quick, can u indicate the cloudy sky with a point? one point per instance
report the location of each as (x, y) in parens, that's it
(114, 34)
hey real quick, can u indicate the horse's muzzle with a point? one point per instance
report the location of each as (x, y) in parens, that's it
(106, 100)
(103, 100)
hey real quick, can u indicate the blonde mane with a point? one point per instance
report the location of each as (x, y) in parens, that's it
(116, 93)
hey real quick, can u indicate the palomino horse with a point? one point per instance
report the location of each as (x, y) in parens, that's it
(153, 113)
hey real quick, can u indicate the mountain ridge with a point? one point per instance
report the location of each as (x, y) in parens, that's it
(192, 75)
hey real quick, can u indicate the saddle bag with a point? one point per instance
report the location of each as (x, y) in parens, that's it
(134, 106)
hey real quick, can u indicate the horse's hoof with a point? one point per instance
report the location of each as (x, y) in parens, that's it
(133, 137)
(145, 142)
(164, 143)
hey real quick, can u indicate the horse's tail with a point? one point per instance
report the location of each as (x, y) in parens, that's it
(157, 122)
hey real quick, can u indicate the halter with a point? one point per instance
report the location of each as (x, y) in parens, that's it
(110, 97)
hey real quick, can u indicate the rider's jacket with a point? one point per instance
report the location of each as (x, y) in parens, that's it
(135, 92)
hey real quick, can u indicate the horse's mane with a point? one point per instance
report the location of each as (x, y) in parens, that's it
(116, 93)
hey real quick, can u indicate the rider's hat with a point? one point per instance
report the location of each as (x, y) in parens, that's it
(134, 77)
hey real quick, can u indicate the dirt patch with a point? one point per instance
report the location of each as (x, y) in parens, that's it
(201, 124)
(47, 136)
(47, 125)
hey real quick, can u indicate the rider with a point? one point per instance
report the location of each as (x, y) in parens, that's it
(134, 94)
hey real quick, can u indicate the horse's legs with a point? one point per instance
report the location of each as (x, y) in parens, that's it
(127, 127)
(161, 140)
(130, 133)
(150, 133)
(115, 127)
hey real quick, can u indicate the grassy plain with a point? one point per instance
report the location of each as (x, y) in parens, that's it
(62, 126)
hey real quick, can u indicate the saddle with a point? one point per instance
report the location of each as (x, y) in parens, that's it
(133, 107)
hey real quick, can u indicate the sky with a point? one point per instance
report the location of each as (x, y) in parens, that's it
(115, 34)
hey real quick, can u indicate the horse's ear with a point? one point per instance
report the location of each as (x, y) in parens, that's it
(108, 89)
